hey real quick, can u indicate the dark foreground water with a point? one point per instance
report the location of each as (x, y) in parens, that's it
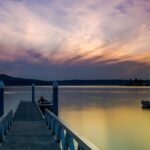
(109, 117)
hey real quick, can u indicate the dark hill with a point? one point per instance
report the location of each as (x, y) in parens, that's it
(9, 80)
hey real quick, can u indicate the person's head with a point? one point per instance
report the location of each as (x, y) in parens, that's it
(42, 97)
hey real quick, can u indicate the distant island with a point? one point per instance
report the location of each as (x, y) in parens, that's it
(14, 81)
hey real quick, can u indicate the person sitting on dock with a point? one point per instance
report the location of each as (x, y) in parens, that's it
(41, 100)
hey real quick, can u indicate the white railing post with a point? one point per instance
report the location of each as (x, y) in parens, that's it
(1, 98)
(55, 98)
(33, 93)
(5, 123)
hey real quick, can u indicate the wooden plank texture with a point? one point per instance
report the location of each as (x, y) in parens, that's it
(29, 131)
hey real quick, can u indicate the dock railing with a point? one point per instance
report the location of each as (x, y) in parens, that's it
(67, 139)
(5, 123)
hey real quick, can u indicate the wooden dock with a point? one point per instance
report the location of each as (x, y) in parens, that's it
(29, 131)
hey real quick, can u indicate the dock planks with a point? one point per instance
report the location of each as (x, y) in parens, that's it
(29, 131)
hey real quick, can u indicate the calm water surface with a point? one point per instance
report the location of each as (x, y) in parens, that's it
(110, 117)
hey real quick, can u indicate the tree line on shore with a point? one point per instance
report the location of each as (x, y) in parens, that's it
(13, 81)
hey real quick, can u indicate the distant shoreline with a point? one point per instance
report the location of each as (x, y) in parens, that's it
(78, 85)
(14, 81)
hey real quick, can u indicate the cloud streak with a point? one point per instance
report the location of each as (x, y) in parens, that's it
(75, 34)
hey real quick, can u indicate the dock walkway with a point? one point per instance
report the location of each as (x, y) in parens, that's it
(29, 131)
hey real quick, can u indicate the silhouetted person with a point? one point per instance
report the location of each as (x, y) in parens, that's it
(41, 100)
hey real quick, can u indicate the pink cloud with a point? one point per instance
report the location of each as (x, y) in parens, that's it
(73, 33)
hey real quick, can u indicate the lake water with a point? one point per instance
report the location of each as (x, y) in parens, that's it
(109, 116)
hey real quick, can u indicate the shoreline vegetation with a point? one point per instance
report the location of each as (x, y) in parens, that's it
(14, 81)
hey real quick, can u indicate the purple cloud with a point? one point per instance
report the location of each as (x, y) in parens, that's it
(68, 35)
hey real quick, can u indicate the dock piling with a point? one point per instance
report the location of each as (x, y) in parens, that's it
(1, 98)
(55, 98)
(33, 93)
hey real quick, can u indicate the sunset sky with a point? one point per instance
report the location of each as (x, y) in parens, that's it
(75, 39)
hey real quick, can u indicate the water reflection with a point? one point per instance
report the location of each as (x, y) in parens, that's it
(13, 95)
(110, 117)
